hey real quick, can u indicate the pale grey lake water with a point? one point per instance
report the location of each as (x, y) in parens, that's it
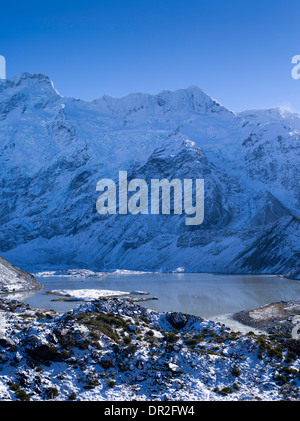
(203, 294)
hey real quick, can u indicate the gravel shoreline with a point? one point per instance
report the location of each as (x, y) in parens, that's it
(273, 318)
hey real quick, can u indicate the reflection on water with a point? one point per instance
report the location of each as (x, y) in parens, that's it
(20, 296)
(206, 295)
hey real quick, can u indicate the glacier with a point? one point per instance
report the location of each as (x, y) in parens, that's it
(54, 150)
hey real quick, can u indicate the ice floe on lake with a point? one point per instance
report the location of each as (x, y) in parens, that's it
(90, 294)
(87, 273)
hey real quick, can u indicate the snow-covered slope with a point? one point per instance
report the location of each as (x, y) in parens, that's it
(54, 150)
(13, 279)
(114, 350)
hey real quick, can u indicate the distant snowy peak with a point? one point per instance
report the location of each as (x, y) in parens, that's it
(28, 88)
(183, 100)
(272, 115)
(193, 99)
(38, 90)
(28, 80)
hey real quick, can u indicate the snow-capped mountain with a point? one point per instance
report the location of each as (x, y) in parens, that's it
(54, 150)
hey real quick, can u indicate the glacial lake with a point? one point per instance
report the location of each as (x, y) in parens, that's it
(211, 296)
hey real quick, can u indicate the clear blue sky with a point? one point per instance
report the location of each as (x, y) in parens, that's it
(239, 52)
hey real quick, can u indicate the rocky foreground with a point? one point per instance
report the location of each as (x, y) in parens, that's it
(113, 349)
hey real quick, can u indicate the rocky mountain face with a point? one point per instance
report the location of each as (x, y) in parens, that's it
(55, 149)
(13, 279)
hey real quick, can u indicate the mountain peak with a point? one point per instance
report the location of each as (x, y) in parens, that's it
(32, 82)
(191, 98)
(33, 76)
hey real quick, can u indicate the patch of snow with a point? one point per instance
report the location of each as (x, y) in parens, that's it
(86, 294)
